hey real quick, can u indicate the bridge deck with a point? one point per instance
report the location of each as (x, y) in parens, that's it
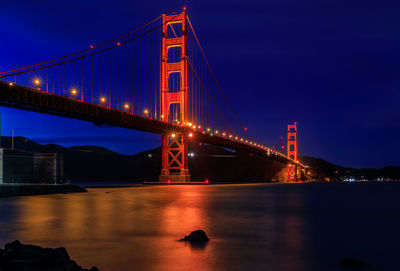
(31, 99)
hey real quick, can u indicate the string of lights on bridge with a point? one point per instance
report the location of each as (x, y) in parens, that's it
(194, 127)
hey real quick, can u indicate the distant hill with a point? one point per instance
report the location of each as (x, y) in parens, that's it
(93, 163)
(323, 169)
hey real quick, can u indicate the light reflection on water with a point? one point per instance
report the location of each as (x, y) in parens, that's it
(251, 227)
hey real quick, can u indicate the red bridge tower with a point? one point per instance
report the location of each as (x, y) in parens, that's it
(174, 146)
(292, 151)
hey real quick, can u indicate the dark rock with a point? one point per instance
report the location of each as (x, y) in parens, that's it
(352, 263)
(22, 257)
(196, 237)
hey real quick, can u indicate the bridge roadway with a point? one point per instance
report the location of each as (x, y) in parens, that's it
(30, 99)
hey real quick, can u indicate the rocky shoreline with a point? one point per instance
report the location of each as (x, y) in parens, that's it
(17, 256)
(13, 190)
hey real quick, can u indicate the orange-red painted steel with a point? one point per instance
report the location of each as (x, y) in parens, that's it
(292, 150)
(175, 166)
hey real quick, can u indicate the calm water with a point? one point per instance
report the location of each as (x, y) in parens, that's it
(252, 227)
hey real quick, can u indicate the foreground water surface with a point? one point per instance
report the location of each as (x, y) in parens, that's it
(251, 227)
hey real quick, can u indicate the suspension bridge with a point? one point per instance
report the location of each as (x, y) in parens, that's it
(156, 79)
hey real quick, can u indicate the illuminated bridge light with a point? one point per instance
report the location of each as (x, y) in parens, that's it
(189, 124)
(10, 84)
(118, 43)
(162, 116)
(173, 135)
(216, 132)
(208, 129)
(236, 138)
(230, 136)
(102, 99)
(146, 111)
(241, 139)
(223, 134)
(194, 126)
(126, 106)
(199, 127)
(190, 135)
(74, 92)
(91, 46)
(37, 82)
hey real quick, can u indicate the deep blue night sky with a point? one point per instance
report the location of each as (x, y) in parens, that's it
(332, 66)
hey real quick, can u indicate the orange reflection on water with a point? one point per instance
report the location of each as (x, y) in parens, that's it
(139, 228)
(186, 213)
(131, 226)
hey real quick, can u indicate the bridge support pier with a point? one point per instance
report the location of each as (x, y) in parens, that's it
(174, 159)
(292, 173)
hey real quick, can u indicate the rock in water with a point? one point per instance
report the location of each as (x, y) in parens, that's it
(17, 256)
(196, 237)
(352, 263)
